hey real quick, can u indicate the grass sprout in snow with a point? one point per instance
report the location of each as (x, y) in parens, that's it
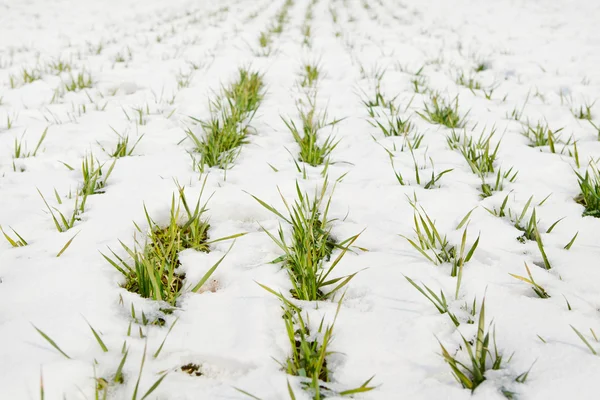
(310, 247)
(479, 154)
(83, 80)
(310, 349)
(123, 148)
(153, 271)
(20, 147)
(442, 112)
(436, 248)
(541, 135)
(425, 182)
(589, 186)
(439, 302)
(537, 289)
(313, 150)
(310, 75)
(228, 126)
(470, 370)
(16, 241)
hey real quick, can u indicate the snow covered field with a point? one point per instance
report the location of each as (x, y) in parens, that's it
(449, 136)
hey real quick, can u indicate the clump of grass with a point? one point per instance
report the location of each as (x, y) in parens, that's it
(123, 148)
(228, 126)
(28, 75)
(442, 113)
(94, 180)
(488, 188)
(481, 66)
(583, 112)
(436, 248)
(542, 135)
(468, 82)
(310, 75)
(589, 186)
(537, 289)
(479, 154)
(419, 84)
(310, 246)
(153, 271)
(471, 373)
(83, 80)
(419, 179)
(59, 66)
(20, 147)
(16, 241)
(529, 227)
(264, 40)
(439, 302)
(61, 221)
(395, 126)
(306, 33)
(313, 150)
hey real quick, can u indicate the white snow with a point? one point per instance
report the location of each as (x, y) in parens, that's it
(541, 54)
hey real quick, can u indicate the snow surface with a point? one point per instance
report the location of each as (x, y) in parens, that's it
(542, 53)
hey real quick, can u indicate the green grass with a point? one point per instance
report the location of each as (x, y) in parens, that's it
(16, 241)
(310, 348)
(28, 75)
(596, 127)
(123, 148)
(426, 182)
(537, 289)
(583, 112)
(439, 302)
(310, 247)
(499, 182)
(419, 84)
(442, 112)
(585, 341)
(94, 179)
(61, 221)
(468, 82)
(59, 66)
(228, 126)
(264, 40)
(310, 75)
(541, 135)
(529, 227)
(83, 80)
(479, 154)
(589, 186)
(478, 356)
(153, 271)
(20, 147)
(313, 150)
(281, 18)
(434, 247)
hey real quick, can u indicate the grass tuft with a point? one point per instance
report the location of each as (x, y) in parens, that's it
(154, 270)
(310, 247)
(471, 373)
(313, 150)
(589, 186)
(442, 113)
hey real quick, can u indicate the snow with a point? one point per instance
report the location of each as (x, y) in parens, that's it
(544, 54)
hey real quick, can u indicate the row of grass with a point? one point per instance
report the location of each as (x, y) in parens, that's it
(304, 258)
(229, 124)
